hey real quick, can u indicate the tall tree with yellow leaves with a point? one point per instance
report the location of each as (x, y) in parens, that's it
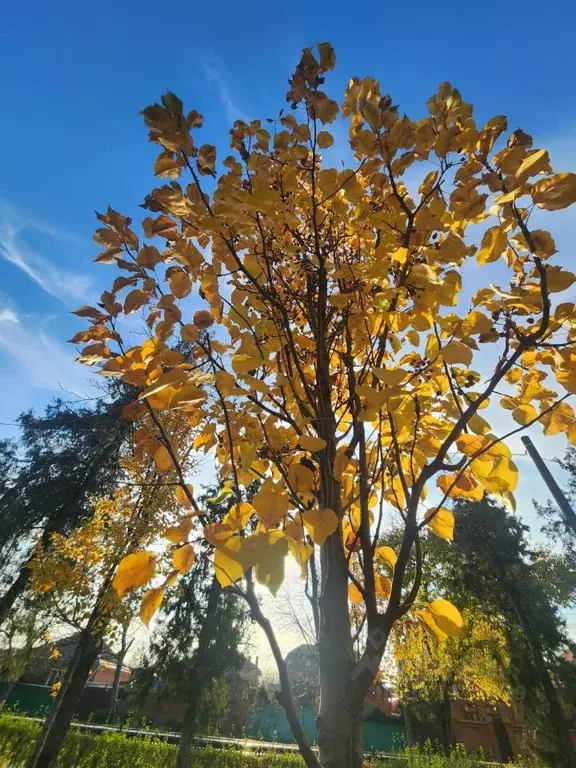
(334, 358)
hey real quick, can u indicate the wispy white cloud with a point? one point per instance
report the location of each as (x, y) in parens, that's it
(69, 286)
(215, 72)
(38, 361)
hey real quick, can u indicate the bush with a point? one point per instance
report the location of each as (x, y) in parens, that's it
(116, 750)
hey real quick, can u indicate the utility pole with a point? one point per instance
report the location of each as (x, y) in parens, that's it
(553, 487)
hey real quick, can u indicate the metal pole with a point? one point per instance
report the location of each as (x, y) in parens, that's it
(553, 487)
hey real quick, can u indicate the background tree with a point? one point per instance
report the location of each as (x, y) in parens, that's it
(337, 355)
(87, 571)
(198, 641)
(62, 459)
(492, 564)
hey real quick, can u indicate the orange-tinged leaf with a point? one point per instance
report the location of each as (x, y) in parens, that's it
(320, 523)
(182, 496)
(354, 595)
(183, 558)
(135, 300)
(203, 319)
(162, 459)
(180, 532)
(301, 478)
(134, 571)
(383, 585)
(151, 601)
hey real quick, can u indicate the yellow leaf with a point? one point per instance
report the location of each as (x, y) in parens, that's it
(271, 504)
(242, 364)
(386, 554)
(301, 478)
(558, 280)
(134, 571)
(558, 420)
(239, 515)
(228, 565)
(182, 497)
(162, 459)
(151, 601)
(543, 242)
(311, 443)
(524, 413)
(320, 523)
(568, 379)
(301, 551)
(428, 621)
(268, 552)
(183, 558)
(222, 494)
(555, 192)
(536, 162)
(446, 616)
(442, 524)
(180, 532)
(478, 425)
(225, 382)
(457, 353)
(247, 455)
(494, 243)
(391, 377)
(476, 322)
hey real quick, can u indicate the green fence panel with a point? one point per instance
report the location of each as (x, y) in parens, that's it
(32, 700)
(271, 724)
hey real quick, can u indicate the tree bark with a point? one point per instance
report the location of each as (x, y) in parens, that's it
(339, 720)
(118, 673)
(188, 730)
(14, 591)
(58, 721)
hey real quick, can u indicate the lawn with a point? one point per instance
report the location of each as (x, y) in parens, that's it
(115, 750)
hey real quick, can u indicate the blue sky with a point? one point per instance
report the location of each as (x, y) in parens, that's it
(75, 75)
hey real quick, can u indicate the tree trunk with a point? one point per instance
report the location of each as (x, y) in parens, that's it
(58, 721)
(339, 720)
(188, 730)
(408, 724)
(118, 673)
(13, 593)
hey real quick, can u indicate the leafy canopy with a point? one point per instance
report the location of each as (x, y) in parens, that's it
(306, 322)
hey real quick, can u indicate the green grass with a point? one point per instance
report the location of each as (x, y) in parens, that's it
(115, 750)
